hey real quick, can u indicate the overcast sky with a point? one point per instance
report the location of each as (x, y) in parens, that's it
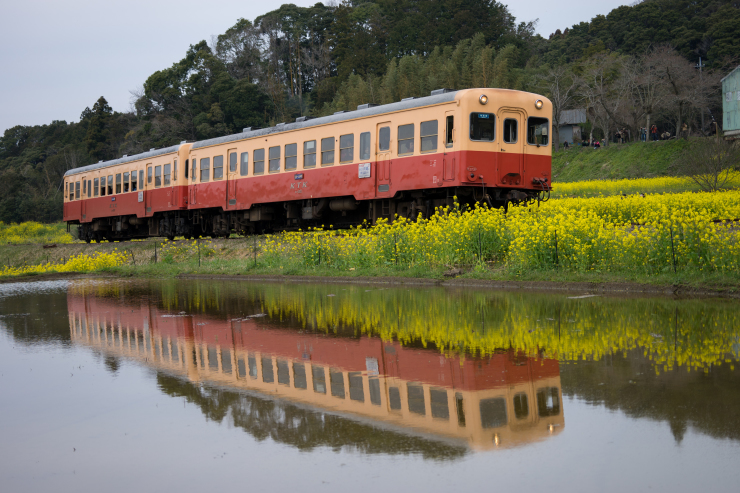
(58, 57)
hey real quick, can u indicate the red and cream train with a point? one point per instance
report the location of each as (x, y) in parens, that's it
(405, 158)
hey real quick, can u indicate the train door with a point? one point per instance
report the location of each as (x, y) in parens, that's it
(148, 189)
(511, 141)
(448, 162)
(193, 188)
(383, 160)
(173, 185)
(231, 177)
(85, 195)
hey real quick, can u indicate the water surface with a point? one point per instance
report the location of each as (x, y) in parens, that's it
(191, 385)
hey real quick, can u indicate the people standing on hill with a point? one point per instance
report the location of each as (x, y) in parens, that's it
(654, 132)
(643, 134)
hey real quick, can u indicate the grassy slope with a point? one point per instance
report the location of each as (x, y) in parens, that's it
(616, 161)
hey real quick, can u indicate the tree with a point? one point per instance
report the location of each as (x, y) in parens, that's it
(561, 86)
(711, 163)
(98, 138)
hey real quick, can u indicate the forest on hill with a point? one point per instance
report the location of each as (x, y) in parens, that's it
(630, 66)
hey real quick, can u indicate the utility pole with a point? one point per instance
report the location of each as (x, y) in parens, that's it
(701, 65)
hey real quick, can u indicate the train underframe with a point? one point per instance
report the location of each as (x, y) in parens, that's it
(335, 212)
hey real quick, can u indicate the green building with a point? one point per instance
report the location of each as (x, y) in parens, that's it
(731, 105)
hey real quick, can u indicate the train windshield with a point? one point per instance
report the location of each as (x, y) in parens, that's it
(537, 131)
(482, 126)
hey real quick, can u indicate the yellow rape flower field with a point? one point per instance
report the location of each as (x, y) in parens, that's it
(77, 263)
(656, 233)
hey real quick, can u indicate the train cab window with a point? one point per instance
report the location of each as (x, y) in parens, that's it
(493, 412)
(327, 151)
(167, 175)
(232, 162)
(274, 165)
(187, 168)
(258, 161)
(482, 126)
(218, 167)
(174, 170)
(77, 190)
(244, 166)
(346, 148)
(429, 136)
(134, 182)
(205, 169)
(110, 184)
(309, 154)
(364, 146)
(149, 174)
(193, 173)
(157, 176)
(511, 131)
(384, 139)
(96, 187)
(291, 156)
(118, 182)
(521, 406)
(319, 379)
(548, 402)
(537, 133)
(416, 399)
(126, 177)
(449, 131)
(439, 405)
(406, 139)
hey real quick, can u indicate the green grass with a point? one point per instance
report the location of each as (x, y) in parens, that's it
(617, 161)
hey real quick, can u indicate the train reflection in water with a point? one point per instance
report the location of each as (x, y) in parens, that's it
(506, 399)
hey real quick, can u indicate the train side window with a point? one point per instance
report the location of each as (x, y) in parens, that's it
(327, 151)
(102, 186)
(218, 167)
(336, 381)
(274, 165)
(429, 136)
(537, 131)
(449, 133)
(384, 139)
(244, 167)
(232, 162)
(416, 399)
(406, 139)
(258, 161)
(291, 156)
(356, 390)
(149, 174)
(482, 127)
(346, 148)
(77, 190)
(187, 167)
(134, 182)
(167, 175)
(364, 146)
(511, 131)
(118, 182)
(110, 184)
(439, 405)
(126, 177)
(394, 398)
(96, 187)
(193, 173)
(309, 154)
(174, 170)
(299, 376)
(84, 187)
(157, 176)
(319, 379)
(205, 169)
(521, 406)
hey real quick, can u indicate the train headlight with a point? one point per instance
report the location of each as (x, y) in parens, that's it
(483, 99)
(538, 104)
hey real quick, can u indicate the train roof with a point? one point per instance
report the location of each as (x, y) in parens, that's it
(445, 96)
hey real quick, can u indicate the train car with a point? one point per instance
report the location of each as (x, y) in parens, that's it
(506, 399)
(405, 158)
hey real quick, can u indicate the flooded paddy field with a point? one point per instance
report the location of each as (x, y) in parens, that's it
(195, 385)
